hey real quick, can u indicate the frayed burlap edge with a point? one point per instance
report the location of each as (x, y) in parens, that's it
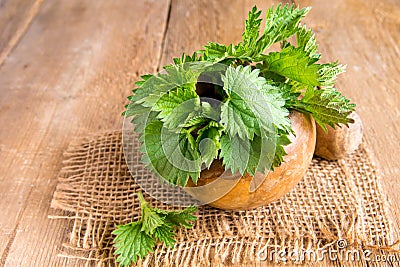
(297, 222)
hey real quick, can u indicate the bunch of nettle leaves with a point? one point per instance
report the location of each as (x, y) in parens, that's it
(290, 79)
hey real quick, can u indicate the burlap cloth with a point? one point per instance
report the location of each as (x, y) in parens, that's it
(336, 200)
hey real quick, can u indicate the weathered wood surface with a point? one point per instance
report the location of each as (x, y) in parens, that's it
(69, 66)
(365, 35)
(15, 17)
(68, 75)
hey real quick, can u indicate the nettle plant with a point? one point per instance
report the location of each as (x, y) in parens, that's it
(255, 89)
(227, 102)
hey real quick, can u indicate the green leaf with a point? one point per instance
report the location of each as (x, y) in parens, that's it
(281, 141)
(267, 152)
(183, 217)
(170, 155)
(252, 29)
(329, 72)
(307, 42)
(237, 118)
(298, 64)
(131, 243)
(260, 155)
(144, 78)
(208, 141)
(175, 106)
(294, 64)
(289, 93)
(280, 24)
(195, 119)
(276, 105)
(235, 153)
(165, 234)
(262, 152)
(327, 106)
(153, 87)
(143, 119)
(175, 76)
(217, 52)
(252, 104)
(186, 58)
(151, 220)
(134, 109)
(135, 240)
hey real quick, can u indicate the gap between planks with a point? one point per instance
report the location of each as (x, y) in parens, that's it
(165, 32)
(16, 37)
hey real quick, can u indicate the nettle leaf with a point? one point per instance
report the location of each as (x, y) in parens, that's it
(307, 42)
(253, 106)
(152, 88)
(298, 64)
(329, 72)
(171, 156)
(294, 64)
(136, 239)
(237, 118)
(252, 29)
(280, 23)
(289, 93)
(208, 141)
(166, 235)
(262, 154)
(131, 243)
(217, 52)
(174, 76)
(175, 106)
(235, 153)
(151, 220)
(144, 78)
(276, 104)
(327, 106)
(195, 119)
(259, 155)
(202, 115)
(183, 217)
(195, 57)
(133, 109)
(141, 120)
(280, 142)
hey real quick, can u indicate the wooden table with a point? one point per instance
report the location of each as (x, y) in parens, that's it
(66, 68)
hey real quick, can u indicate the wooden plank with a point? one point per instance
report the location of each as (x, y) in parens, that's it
(15, 17)
(69, 75)
(364, 34)
(194, 23)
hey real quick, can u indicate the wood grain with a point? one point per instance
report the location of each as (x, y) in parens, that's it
(69, 75)
(365, 35)
(71, 71)
(15, 17)
(194, 23)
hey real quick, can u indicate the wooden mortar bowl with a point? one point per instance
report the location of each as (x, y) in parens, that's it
(276, 183)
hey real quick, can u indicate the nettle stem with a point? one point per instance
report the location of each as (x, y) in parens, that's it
(142, 201)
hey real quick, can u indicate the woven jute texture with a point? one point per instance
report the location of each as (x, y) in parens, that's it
(337, 204)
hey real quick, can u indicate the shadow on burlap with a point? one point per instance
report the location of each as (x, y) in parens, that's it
(336, 203)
